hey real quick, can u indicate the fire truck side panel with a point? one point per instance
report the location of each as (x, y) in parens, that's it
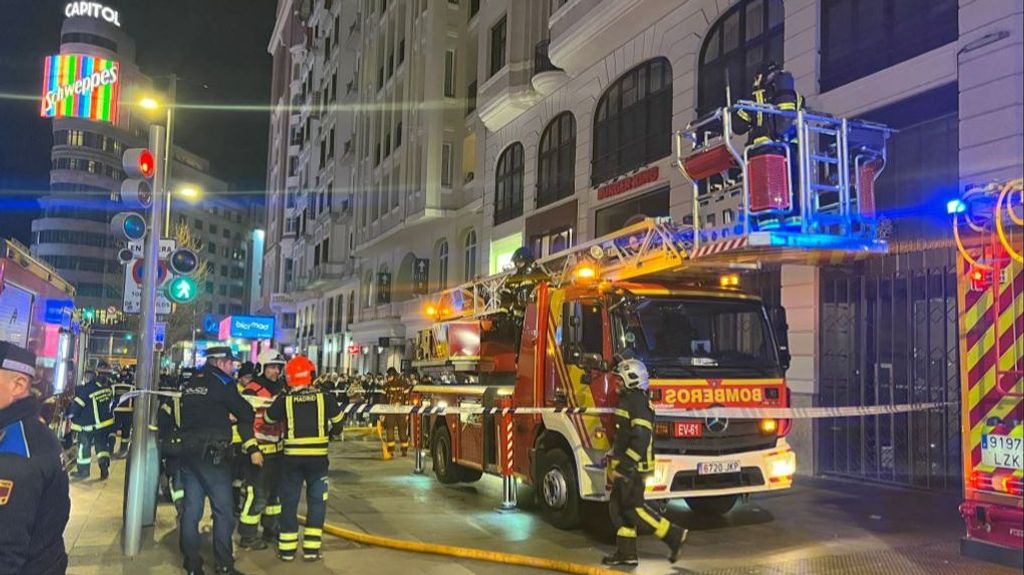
(529, 388)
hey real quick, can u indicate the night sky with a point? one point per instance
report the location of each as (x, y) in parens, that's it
(217, 47)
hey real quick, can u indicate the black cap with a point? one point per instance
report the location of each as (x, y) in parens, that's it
(392, 371)
(17, 359)
(220, 352)
(247, 369)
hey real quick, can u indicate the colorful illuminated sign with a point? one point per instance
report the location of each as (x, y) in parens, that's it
(247, 327)
(79, 86)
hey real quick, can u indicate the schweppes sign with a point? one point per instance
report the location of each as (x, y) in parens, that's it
(694, 394)
(80, 86)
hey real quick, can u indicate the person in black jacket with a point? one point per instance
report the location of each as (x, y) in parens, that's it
(93, 419)
(208, 402)
(34, 501)
(630, 464)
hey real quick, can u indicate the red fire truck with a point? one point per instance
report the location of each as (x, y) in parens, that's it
(668, 294)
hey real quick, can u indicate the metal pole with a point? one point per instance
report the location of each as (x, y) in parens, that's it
(172, 94)
(137, 457)
(83, 350)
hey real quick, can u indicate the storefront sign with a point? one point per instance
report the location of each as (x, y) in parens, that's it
(79, 86)
(629, 183)
(92, 10)
(252, 326)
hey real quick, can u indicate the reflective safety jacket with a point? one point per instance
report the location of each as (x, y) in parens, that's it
(763, 128)
(397, 390)
(268, 435)
(633, 449)
(91, 408)
(306, 415)
(169, 418)
(120, 388)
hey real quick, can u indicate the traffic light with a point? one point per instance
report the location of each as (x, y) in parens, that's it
(183, 261)
(89, 314)
(129, 224)
(182, 289)
(128, 336)
(140, 167)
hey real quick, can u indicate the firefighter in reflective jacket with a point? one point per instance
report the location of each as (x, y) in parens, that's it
(260, 502)
(122, 411)
(168, 424)
(631, 462)
(92, 418)
(306, 415)
(396, 392)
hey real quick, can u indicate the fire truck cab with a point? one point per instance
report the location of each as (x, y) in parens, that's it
(667, 294)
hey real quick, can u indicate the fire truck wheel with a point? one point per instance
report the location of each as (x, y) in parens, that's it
(468, 474)
(558, 490)
(441, 456)
(712, 506)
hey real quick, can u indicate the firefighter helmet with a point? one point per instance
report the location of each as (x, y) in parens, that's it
(271, 357)
(522, 257)
(633, 373)
(299, 371)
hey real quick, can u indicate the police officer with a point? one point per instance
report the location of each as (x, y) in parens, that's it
(396, 392)
(260, 502)
(124, 383)
(306, 415)
(631, 462)
(92, 418)
(34, 502)
(208, 402)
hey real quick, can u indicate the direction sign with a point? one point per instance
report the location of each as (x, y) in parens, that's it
(167, 246)
(421, 276)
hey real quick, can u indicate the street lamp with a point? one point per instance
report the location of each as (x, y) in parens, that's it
(190, 192)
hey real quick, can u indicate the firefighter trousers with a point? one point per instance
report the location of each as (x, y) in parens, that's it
(122, 427)
(630, 513)
(97, 440)
(397, 420)
(261, 504)
(297, 470)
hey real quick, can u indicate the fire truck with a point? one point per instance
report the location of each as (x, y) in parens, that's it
(668, 294)
(987, 227)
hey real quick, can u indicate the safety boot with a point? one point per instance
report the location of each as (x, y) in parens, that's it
(104, 472)
(625, 553)
(675, 538)
(253, 543)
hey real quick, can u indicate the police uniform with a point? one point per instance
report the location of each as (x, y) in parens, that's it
(207, 403)
(632, 461)
(93, 420)
(34, 502)
(122, 412)
(306, 415)
(396, 392)
(261, 504)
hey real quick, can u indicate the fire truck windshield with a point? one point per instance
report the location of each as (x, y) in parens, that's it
(694, 337)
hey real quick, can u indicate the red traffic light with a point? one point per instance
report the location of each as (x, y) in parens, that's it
(139, 163)
(147, 165)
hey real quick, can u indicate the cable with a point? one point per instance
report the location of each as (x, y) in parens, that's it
(466, 552)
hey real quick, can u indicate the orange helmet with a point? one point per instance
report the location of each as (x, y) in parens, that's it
(299, 371)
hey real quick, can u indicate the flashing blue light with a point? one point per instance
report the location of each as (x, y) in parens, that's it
(956, 206)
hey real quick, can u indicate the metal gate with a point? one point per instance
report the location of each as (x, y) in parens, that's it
(888, 335)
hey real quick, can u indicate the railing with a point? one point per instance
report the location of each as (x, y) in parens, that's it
(541, 61)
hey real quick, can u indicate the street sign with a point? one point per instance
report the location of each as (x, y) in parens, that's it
(160, 336)
(167, 247)
(421, 276)
(132, 302)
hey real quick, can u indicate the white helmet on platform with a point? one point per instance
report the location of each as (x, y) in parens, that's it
(633, 373)
(271, 357)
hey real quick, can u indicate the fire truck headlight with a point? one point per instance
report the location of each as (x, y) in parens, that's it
(769, 426)
(783, 467)
(659, 476)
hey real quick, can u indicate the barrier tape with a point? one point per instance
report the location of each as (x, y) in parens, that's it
(723, 412)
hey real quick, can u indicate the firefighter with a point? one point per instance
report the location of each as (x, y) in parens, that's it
(396, 392)
(239, 459)
(261, 505)
(34, 502)
(772, 133)
(518, 289)
(630, 463)
(306, 416)
(168, 426)
(208, 403)
(92, 418)
(122, 412)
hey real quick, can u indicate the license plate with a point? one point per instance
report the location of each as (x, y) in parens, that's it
(1002, 451)
(688, 429)
(715, 467)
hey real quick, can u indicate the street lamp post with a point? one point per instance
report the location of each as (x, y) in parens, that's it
(172, 94)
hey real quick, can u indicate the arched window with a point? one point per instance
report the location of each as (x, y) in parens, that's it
(633, 122)
(508, 184)
(368, 289)
(556, 160)
(442, 265)
(747, 35)
(383, 285)
(469, 257)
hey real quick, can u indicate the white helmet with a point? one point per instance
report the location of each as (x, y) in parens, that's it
(270, 357)
(633, 373)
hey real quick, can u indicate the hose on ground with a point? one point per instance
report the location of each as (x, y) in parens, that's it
(466, 552)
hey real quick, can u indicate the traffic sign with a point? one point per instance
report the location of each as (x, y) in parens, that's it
(160, 336)
(167, 247)
(421, 276)
(182, 289)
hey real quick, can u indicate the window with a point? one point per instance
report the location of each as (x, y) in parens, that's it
(449, 73)
(556, 163)
(446, 164)
(469, 257)
(398, 135)
(746, 36)
(442, 265)
(858, 40)
(474, 7)
(583, 326)
(508, 189)
(633, 122)
(222, 289)
(213, 228)
(226, 234)
(498, 45)
(211, 248)
(86, 38)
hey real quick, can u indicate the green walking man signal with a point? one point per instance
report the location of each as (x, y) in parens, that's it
(182, 289)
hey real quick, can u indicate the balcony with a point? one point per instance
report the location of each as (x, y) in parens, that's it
(546, 76)
(324, 274)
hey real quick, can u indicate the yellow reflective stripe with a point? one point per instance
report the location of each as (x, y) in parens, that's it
(305, 450)
(272, 510)
(320, 415)
(311, 544)
(177, 411)
(249, 443)
(338, 418)
(80, 401)
(626, 532)
(660, 526)
(314, 531)
(762, 139)
(642, 423)
(288, 536)
(269, 448)
(166, 408)
(306, 441)
(290, 415)
(105, 423)
(621, 413)
(632, 454)
(245, 517)
(787, 106)
(743, 115)
(287, 546)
